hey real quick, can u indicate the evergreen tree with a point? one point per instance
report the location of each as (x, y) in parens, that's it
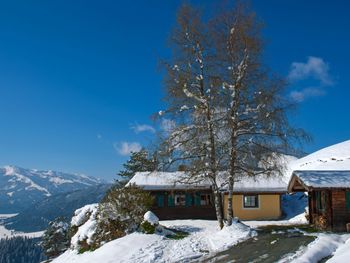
(21, 249)
(56, 238)
(139, 162)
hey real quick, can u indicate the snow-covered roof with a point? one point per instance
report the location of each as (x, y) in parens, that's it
(177, 181)
(260, 183)
(165, 181)
(321, 179)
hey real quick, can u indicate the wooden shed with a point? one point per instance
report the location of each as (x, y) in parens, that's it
(329, 197)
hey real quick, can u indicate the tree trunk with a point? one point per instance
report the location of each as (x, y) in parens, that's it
(229, 201)
(218, 206)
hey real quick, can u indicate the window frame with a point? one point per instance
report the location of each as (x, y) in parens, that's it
(182, 203)
(207, 200)
(257, 201)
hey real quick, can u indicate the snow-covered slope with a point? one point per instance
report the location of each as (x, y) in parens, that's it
(20, 188)
(204, 236)
(335, 157)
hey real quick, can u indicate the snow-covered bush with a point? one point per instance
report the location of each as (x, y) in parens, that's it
(120, 212)
(56, 238)
(149, 223)
(83, 225)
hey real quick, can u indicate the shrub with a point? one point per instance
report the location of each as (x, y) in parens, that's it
(147, 227)
(120, 212)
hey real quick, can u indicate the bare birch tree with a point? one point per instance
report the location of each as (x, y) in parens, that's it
(229, 112)
(256, 108)
(190, 88)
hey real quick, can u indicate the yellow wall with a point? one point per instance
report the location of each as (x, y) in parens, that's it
(269, 207)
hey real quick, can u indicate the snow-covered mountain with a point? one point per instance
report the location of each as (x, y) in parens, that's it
(21, 188)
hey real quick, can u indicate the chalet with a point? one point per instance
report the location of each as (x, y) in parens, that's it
(329, 196)
(176, 198)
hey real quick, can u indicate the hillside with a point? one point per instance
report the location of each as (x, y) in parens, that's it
(334, 157)
(21, 188)
(37, 216)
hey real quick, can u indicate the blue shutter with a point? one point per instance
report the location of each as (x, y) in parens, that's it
(197, 199)
(160, 200)
(188, 200)
(171, 200)
(347, 199)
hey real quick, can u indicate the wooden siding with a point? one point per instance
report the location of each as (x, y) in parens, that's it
(341, 214)
(336, 215)
(189, 211)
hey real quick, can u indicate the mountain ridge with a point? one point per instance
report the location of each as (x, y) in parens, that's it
(21, 187)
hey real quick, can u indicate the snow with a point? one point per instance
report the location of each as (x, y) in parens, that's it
(6, 233)
(335, 157)
(204, 238)
(11, 171)
(332, 179)
(260, 183)
(323, 246)
(180, 180)
(294, 207)
(342, 254)
(58, 181)
(151, 218)
(85, 219)
(165, 180)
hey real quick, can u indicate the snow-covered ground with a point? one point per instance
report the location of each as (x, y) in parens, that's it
(342, 254)
(5, 233)
(323, 246)
(204, 238)
(334, 157)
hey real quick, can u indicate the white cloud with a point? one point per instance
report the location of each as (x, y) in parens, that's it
(143, 128)
(167, 125)
(301, 95)
(125, 148)
(314, 67)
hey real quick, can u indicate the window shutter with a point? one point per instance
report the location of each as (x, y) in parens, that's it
(188, 200)
(197, 199)
(160, 200)
(171, 200)
(347, 199)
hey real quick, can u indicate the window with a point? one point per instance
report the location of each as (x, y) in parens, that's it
(205, 199)
(250, 201)
(180, 200)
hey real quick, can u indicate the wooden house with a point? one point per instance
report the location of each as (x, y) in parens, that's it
(329, 197)
(177, 198)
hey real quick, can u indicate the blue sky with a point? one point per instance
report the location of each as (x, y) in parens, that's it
(79, 79)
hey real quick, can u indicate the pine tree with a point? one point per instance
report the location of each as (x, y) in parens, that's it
(139, 162)
(56, 238)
